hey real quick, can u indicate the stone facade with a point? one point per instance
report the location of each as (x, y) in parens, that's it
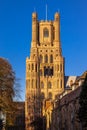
(44, 67)
(64, 115)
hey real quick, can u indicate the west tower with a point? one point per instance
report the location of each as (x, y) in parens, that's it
(44, 67)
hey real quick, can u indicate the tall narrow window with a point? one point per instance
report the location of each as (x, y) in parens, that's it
(46, 32)
(32, 66)
(32, 83)
(29, 66)
(41, 58)
(49, 85)
(58, 83)
(50, 95)
(42, 84)
(60, 67)
(40, 72)
(57, 67)
(61, 84)
(28, 83)
(51, 58)
(46, 58)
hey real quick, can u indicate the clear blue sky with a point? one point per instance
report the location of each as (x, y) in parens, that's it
(15, 32)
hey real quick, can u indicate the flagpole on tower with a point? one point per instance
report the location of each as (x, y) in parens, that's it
(46, 12)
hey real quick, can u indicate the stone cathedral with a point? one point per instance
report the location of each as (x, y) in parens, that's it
(44, 67)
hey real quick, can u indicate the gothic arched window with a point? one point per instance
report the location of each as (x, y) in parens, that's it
(46, 58)
(41, 58)
(58, 83)
(60, 67)
(61, 83)
(46, 32)
(29, 66)
(51, 58)
(50, 95)
(40, 72)
(49, 84)
(57, 67)
(32, 83)
(42, 84)
(32, 66)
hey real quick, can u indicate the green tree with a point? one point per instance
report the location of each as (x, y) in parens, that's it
(9, 87)
(82, 112)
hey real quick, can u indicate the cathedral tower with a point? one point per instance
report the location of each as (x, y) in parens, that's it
(44, 67)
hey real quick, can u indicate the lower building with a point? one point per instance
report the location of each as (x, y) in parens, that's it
(64, 114)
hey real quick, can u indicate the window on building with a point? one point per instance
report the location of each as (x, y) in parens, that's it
(46, 32)
(40, 72)
(32, 66)
(48, 71)
(29, 66)
(53, 33)
(46, 58)
(58, 83)
(32, 83)
(57, 67)
(51, 58)
(60, 67)
(50, 95)
(49, 84)
(28, 83)
(42, 84)
(61, 84)
(41, 58)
